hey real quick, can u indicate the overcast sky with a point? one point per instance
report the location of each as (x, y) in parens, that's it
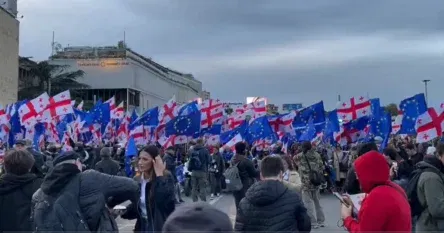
(288, 51)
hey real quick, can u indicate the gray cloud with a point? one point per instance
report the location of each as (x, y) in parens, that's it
(286, 50)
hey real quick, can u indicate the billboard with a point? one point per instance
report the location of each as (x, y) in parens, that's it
(256, 99)
(291, 107)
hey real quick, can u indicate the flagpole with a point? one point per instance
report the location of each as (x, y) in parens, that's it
(425, 81)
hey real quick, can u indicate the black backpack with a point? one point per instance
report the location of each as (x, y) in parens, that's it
(195, 163)
(61, 213)
(411, 191)
(316, 178)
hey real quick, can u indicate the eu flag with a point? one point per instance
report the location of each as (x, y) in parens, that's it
(183, 125)
(315, 111)
(228, 135)
(375, 106)
(260, 129)
(150, 117)
(309, 133)
(411, 108)
(189, 108)
(381, 125)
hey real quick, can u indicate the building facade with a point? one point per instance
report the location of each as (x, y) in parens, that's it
(206, 95)
(9, 48)
(129, 76)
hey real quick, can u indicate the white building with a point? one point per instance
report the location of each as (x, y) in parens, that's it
(128, 75)
(205, 95)
(9, 49)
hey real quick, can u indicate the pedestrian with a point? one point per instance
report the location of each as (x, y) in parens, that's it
(311, 162)
(84, 197)
(217, 167)
(156, 197)
(198, 166)
(198, 217)
(269, 206)
(16, 189)
(170, 161)
(351, 185)
(247, 172)
(107, 165)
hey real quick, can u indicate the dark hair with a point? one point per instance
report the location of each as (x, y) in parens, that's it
(272, 166)
(289, 161)
(200, 141)
(18, 162)
(440, 149)
(391, 153)
(152, 150)
(240, 148)
(367, 147)
(306, 146)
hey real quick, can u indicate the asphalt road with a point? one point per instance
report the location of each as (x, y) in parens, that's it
(226, 203)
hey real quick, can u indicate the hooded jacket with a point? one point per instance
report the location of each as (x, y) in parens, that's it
(430, 192)
(269, 206)
(204, 157)
(15, 201)
(385, 208)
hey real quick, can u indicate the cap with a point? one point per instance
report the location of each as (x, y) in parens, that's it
(20, 142)
(65, 156)
(197, 217)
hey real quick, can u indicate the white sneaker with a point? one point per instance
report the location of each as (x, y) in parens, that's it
(212, 197)
(218, 195)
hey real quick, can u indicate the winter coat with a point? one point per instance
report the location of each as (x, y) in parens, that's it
(108, 166)
(217, 164)
(316, 164)
(160, 208)
(430, 191)
(15, 201)
(351, 185)
(339, 157)
(96, 191)
(204, 157)
(170, 163)
(385, 207)
(294, 181)
(269, 206)
(247, 172)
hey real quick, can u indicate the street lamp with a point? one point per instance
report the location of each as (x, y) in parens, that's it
(425, 81)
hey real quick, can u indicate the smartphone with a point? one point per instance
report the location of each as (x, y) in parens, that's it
(119, 207)
(341, 199)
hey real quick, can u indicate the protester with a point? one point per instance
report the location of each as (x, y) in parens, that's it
(385, 208)
(217, 167)
(94, 190)
(310, 161)
(16, 189)
(351, 185)
(156, 198)
(198, 166)
(430, 191)
(247, 172)
(293, 179)
(340, 165)
(198, 217)
(107, 165)
(170, 162)
(269, 206)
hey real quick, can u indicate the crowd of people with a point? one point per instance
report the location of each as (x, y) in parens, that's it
(83, 190)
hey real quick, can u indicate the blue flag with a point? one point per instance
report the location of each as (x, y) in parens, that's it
(227, 136)
(309, 133)
(260, 129)
(315, 111)
(150, 117)
(411, 108)
(130, 152)
(186, 125)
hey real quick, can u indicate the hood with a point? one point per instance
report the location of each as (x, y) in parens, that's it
(371, 170)
(10, 182)
(58, 178)
(431, 162)
(265, 192)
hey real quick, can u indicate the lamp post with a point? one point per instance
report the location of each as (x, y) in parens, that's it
(425, 81)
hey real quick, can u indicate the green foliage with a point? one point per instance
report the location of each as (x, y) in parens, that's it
(392, 109)
(50, 78)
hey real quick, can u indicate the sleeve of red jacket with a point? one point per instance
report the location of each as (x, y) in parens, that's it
(372, 216)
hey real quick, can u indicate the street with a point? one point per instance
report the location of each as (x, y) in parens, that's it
(226, 203)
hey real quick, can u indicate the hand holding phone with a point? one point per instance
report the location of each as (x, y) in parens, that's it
(341, 199)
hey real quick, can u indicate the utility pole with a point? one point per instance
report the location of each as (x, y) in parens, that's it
(425, 81)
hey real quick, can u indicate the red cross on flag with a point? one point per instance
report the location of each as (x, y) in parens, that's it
(233, 141)
(29, 112)
(353, 109)
(396, 125)
(118, 112)
(59, 105)
(4, 118)
(429, 125)
(283, 123)
(138, 133)
(66, 143)
(112, 103)
(168, 111)
(258, 107)
(213, 140)
(236, 120)
(212, 113)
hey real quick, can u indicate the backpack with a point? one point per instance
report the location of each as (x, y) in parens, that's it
(232, 178)
(61, 213)
(195, 163)
(316, 178)
(411, 191)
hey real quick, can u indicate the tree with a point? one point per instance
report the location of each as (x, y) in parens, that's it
(392, 109)
(50, 78)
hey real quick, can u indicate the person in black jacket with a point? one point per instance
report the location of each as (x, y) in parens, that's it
(352, 185)
(107, 165)
(97, 190)
(247, 172)
(156, 198)
(170, 161)
(16, 189)
(269, 206)
(198, 166)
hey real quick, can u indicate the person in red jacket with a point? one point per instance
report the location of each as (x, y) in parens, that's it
(385, 207)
